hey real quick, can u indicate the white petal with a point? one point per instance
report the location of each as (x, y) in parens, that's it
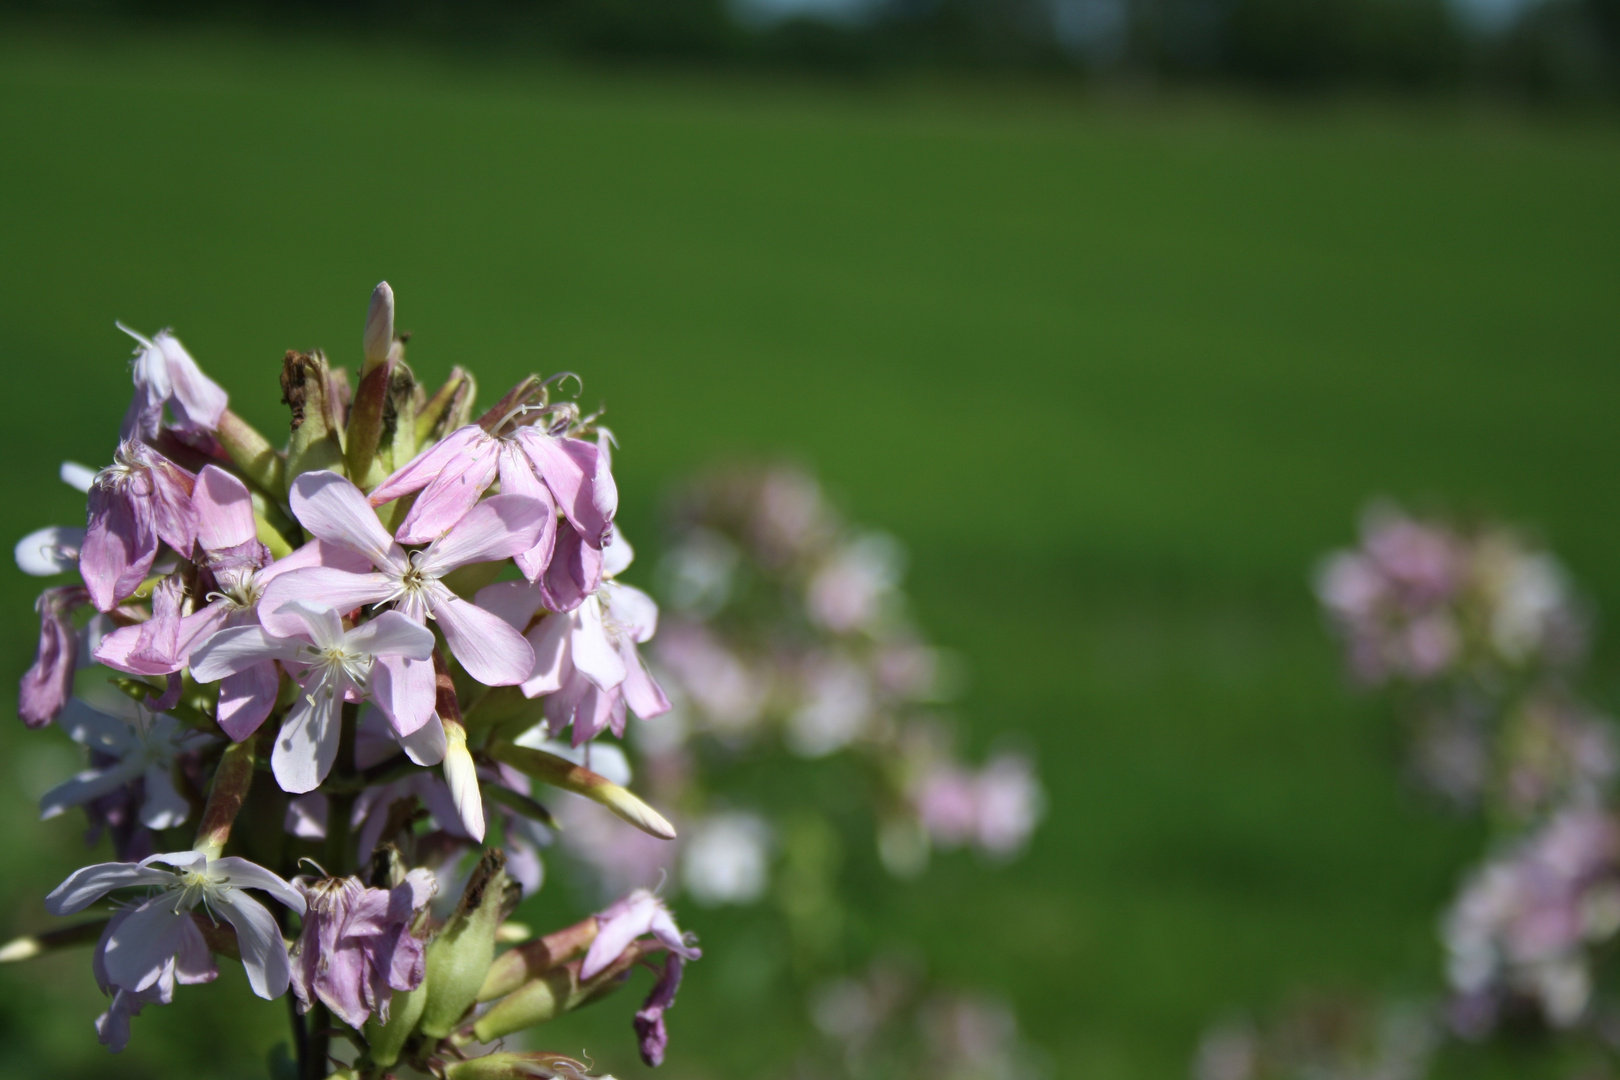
(632, 609)
(426, 745)
(392, 634)
(250, 875)
(334, 510)
(321, 621)
(593, 654)
(77, 476)
(42, 552)
(264, 954)
(616, 556)
(491, 651)
(307, 744)
(88, 884)
(163, 807)
(140, 948)
(238, 648)
(497, 528)
(90, 784)
(91, 727)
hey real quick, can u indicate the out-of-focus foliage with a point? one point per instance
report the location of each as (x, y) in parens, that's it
(1558, 48)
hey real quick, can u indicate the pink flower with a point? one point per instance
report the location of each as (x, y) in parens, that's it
(241, 570)
(586, 658)
(139, 499)
(334, 510)
(165, 374)
(560, 471)
(334, 665)
(627, 919)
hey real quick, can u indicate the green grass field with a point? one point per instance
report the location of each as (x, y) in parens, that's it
(1116, 372)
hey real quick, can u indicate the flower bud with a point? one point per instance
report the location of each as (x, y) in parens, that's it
(458, 960)
(382, 424)
(536, 1066)
(379, 335)
(387, 1041)
(306, 387)
(562, 773)
(516, 966)
(448, 409)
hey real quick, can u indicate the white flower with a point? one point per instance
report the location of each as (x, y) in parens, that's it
(139, 950)
(145, 746)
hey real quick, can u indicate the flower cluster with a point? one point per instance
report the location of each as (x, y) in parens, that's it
(785, 619)
(384, 618)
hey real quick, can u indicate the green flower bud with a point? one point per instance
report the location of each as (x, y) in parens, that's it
(306, 387)
(388, 1040)
(538, 1066)
(458, 960)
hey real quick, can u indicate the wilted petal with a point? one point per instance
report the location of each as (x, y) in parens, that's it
(264, 955)
(120, 546)
(48, 683)
(198, 402)
(623, 922)
(173, 516)
(491, 651)
(334, 510)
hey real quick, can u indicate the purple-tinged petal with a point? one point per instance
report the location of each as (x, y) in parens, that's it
(87, 785)
(640, 690)
(497, 528)
(649, 1019)
(623, 922)
(316, 553)
(48, 683)
(575, 571)
(491, 651)
(264, 955)
(334, 510)
(592, 652)
(163, 807)
(173, 516)
(151, 647)
(246, 698)
(224, 510)
(337, 589)
(88, 884)
(193, 963)
(243, 874)
(120, 545)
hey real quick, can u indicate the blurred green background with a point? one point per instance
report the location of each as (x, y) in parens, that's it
(1116, 369)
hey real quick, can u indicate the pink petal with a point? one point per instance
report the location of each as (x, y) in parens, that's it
(420, 471)
(574, 471)
(392, 634)
(224, 510)
(575, 571)
(172, 513)
(404, 690)
(246, 698)
(316, 553)
(452, 493)
(334, 510)
(495, 529)
(491, 651)
(237, 649)
(593, 654)
(641, 691)
(517, 478)
(197, 401)
(549, 641)
(337, 589)
(516, 602)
